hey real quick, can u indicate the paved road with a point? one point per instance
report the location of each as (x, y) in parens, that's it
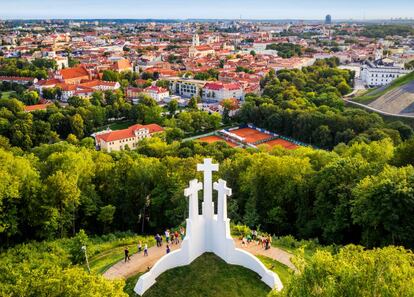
(139, 263)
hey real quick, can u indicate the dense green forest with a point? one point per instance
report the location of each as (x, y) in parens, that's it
(54, 190)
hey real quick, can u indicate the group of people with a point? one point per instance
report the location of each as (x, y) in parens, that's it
(264, 240)
(171, 237)
(139, 250)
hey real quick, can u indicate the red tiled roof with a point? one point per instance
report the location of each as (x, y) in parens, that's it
(155, 89)
(31, 108)
(96, 83)
(75, 72)
(129, 132)
(220, 85)
(122, 65)
(201, 48)
(154, 128)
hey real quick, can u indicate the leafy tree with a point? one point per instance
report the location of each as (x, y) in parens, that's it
(404, 153)
(192, 103)
(382, 202)
(106, 215)
(77, 125)
(62, 196)
(354, 271)
(79, 241)
(333, 192)
(172, 107)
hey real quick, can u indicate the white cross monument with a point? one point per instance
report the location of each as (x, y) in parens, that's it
(207, 232)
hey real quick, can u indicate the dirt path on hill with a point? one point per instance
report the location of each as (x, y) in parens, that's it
(139, 263)
(274, 253)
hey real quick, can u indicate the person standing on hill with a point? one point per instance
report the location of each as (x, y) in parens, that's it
(177, 238)
(145, 250)
(126, 251)
(167, 236)
(168, 249)
(139, 247)
(157, 239)
(254, 235)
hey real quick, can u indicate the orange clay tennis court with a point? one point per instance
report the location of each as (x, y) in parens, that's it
(213, 138)
(284, 143)
(251, 135)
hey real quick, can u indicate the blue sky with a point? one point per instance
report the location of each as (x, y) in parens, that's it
(247, 9)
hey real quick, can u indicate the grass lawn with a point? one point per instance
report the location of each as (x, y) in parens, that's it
(207, 276)
(106, 255)
(284, 272)
(103, 261)
(374, 94)
(130, 284)
(6, 95)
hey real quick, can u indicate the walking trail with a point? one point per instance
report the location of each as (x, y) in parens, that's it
(139, 263)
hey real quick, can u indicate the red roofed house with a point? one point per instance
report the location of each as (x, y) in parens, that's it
(201, 51)
(36, 107)
(122, 65)
(157, 93)
(218, 91)
(73, 75)
(133, 93)
(121, 139)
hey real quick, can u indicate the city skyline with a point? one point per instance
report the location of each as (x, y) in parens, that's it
(213, 9)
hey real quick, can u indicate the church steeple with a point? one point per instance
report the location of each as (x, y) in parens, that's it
(196, 40)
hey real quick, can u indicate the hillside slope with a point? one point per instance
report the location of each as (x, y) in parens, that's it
(397, 101)
(396, 98)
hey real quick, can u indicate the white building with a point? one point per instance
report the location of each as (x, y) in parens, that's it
(127, 138)
(157, 93)
(185, 87)
(374, 75)
(217, 91)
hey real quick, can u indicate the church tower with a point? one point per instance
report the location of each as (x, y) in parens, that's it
(196, 40)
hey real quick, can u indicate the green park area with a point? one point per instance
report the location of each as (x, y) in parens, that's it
(6, 95)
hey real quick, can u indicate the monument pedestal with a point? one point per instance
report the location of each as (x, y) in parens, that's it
(207, 233)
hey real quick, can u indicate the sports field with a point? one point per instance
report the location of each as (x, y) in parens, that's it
(283, 143)
(214, 138)
(251, 135)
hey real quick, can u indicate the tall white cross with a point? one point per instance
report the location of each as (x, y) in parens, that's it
(192, 193)
(223, 192)
(208, 167)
